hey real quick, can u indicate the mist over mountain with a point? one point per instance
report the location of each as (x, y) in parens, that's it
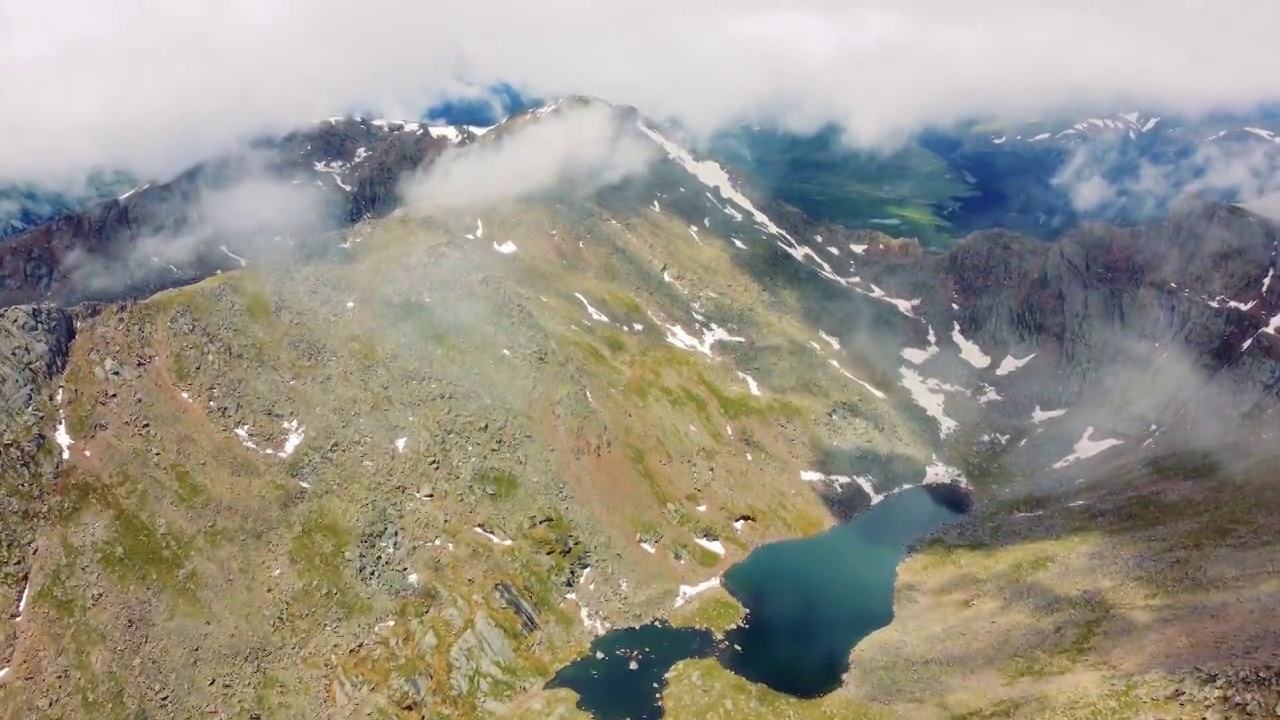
(878, 361)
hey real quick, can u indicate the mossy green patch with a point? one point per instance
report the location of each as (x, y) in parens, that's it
(716, 611)
(319, 551)
(641, 464)
(187, 488)
(498, 483)
(1078, 627)
(704, 689)
(139, 551)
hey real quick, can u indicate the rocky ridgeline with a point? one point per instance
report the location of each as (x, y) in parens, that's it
(358, 165)
(1129, 327)
(35, 343)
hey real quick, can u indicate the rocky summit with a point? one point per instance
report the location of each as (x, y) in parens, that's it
(391, 419)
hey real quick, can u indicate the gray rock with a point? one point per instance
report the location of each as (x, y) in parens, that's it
(478, 656)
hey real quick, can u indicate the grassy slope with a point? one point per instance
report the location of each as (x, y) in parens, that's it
(1093, 608)
(189, 572)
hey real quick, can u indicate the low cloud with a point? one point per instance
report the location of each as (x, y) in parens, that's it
(1103, 179)
(579, 147)
(153, 85)
(255, 217)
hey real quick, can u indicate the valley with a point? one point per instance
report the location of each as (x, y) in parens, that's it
(418, 463)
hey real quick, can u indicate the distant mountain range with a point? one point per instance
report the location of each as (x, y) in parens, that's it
(1039, 178)
(352, 443)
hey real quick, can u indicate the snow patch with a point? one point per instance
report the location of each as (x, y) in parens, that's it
(712, 175)
(913, 355)
(873, 390)
(233, 256)
(1038, 416)
(595, 314)
(969, 351)
(22, 602)
(401, 443)
(676, 335)
(444, 132)
(687, 592)
(1011, 363)
(595, 625)
(493, 538)
(1087, 447)
(135, 190)
(60, 434)
(752, 385)
(714, 546)
(937, 473)
(928, 394)
(839, 481)
(906, 307)
(295, 437)
(834, 343)
(505, 248)
(1222, 302)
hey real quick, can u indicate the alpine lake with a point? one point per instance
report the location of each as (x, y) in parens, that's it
(808, 602)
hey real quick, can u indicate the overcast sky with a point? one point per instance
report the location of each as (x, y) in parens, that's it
(154, 84)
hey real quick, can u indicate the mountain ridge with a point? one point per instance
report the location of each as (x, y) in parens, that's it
(593, 398)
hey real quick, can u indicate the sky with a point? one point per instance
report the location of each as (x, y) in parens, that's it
(153, 85)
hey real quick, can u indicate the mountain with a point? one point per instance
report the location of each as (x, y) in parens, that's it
(385, 418)
(1039, 178)
(25, 205)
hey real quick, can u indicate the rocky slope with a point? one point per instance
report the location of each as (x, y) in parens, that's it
(407, 463)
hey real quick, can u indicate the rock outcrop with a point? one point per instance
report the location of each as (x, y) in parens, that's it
(120, 249)
(35, 342)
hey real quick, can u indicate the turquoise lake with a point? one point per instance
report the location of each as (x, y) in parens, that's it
(809, 601)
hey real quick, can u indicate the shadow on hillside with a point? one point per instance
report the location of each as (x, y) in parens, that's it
(886, 471)
(1161, 565)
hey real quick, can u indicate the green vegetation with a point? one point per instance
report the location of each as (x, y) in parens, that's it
(318, 552)
(498, 483)
(832, 183)
(141, 553)
(918, 214)
(716, 611)
(641, 466)
(257, 305)
(704, 689)
(188, 489)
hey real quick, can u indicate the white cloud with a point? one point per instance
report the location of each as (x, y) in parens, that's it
(252, 217)
(1246, 171)
(579, 146)
(153, 83)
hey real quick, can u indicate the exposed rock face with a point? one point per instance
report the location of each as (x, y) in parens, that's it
(357, 163)
(1132, 324)
(477, 658)
(35, 342)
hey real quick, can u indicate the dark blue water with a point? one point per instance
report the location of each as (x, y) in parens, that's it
(624, 674)
(809, 601)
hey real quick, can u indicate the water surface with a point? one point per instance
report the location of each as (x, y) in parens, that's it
(809, 601)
